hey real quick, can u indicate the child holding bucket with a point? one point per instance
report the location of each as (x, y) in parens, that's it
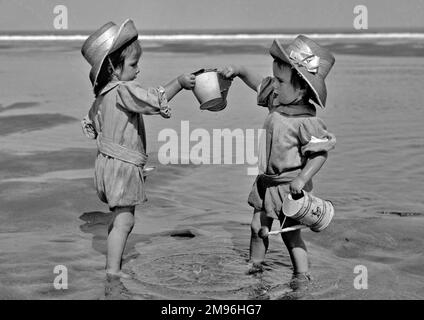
(296, 142)
(115, 120)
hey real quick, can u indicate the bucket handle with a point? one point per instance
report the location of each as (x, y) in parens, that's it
(203, 70)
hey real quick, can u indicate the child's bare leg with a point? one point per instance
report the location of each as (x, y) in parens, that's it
(119, 229)
(297, 250)
(258, 246)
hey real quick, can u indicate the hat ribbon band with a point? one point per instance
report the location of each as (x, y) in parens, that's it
(306, 60)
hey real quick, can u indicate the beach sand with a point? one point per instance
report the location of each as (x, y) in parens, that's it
(191, 238)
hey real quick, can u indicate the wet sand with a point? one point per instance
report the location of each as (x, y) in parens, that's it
(185, 248)
(191, 238)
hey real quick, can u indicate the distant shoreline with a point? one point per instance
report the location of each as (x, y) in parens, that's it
(238, 36)
(369, 45)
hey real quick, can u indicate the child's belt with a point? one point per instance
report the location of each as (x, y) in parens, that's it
(282, 178)
(114, 150)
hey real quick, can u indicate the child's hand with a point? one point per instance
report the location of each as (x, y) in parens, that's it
(297, 185)
(230, 72)
(88, 128)
(187, 81)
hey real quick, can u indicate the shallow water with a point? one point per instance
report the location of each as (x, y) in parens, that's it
(191, 239)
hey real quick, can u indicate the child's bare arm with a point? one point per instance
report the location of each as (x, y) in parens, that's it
(313, 165)
(250, 78)
(184, 81)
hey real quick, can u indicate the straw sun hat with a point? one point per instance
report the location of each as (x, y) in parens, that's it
(105, 41)
(311, 61)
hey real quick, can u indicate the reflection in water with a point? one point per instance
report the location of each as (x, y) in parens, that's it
(115, 289)
(210, 265)
(260, 290)
(190, 263)
(266, 289)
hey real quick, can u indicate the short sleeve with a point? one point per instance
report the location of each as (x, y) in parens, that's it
(265, 92)
(133, 97)
(314, 136)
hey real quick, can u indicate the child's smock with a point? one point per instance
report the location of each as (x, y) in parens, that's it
(293, 133)
(116, 115)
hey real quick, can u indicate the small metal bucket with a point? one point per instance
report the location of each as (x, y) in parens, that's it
(211, 89)
(309, 210)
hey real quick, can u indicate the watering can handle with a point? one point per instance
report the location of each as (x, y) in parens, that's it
(203, 70)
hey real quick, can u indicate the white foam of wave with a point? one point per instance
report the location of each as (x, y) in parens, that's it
(182, 37)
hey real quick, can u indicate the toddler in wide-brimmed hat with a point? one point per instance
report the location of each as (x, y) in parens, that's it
(296, 142)
(115, 120)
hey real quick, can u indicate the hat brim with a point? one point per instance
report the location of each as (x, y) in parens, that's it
(315, 81)
(127, 32)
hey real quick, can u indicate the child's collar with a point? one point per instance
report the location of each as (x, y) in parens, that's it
(297, 109)
(112, 84)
